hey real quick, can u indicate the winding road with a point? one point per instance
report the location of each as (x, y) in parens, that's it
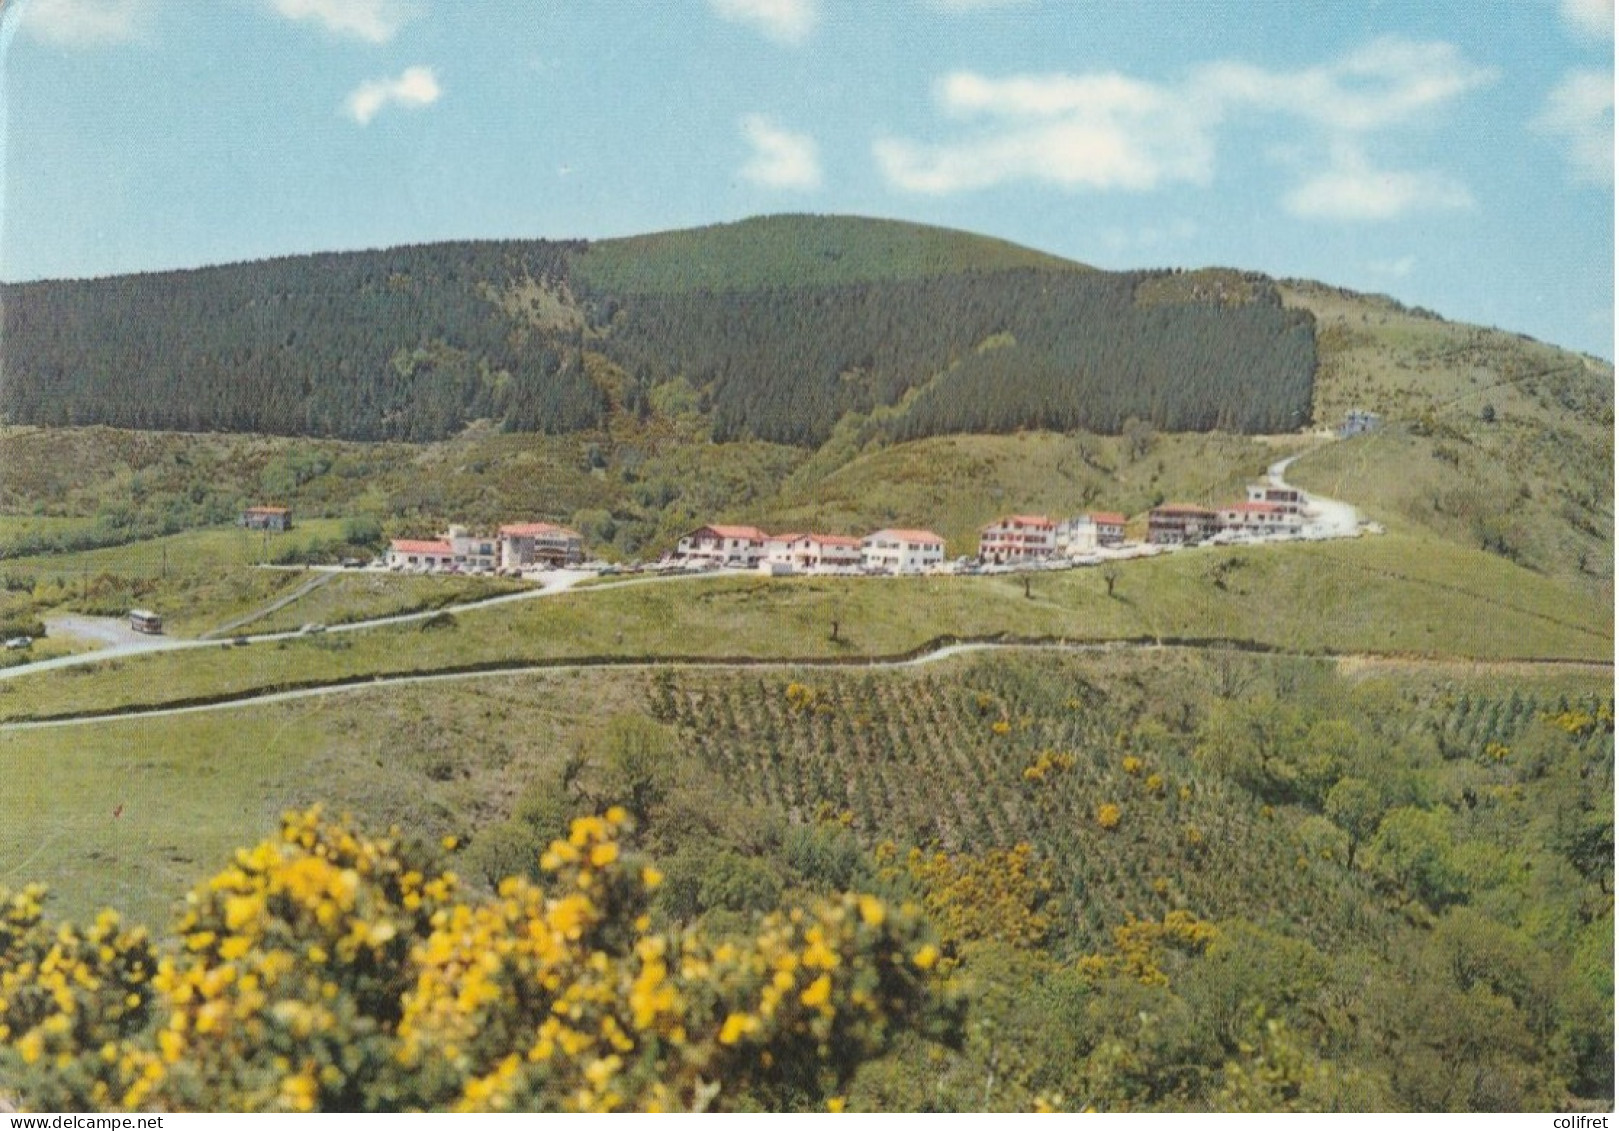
(1328, 518)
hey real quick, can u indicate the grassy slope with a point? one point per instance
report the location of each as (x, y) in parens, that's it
(1389, 595)
(796, 251)
(454, 758)
(1492, 439)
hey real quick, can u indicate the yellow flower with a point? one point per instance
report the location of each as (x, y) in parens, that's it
(871, 911)
(818, 993)
(926, 958)
(736, 1026)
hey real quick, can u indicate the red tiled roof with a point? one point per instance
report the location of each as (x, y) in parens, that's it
(414, 546)
(1106, 518)
(749, 532)
(1255, 508)
(269, 510)
(531, 529)
(834, 540)
(1036, 520)
(1181, 508)
(790, 536)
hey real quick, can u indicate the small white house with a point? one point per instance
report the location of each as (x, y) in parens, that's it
(807, 552)
(902, 551)
(420, 554)
(1086, 533)
(726, 545)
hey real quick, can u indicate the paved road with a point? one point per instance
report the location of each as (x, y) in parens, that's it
(320, 578)
(938, 655)
(121, 640)
(1328, 518)
(1325, 518)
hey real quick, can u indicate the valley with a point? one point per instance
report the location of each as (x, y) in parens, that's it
(1303, 824)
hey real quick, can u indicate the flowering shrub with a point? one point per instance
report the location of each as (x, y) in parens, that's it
(326, 970)
(1108, 815)
(1000, 894)
(1048, 764)
(1141, 945)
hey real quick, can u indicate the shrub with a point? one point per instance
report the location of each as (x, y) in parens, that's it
(326, 970)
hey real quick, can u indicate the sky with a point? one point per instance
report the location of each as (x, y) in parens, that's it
(1456, 154)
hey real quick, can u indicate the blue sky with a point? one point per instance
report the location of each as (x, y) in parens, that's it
(1457, 155)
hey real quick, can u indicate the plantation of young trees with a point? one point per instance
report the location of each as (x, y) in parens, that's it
(1111, 882)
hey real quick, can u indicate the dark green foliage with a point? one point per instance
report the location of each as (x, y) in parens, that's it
(779, 327)
(399, 344)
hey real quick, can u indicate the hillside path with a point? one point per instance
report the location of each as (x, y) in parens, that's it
(1327, 518)
(937, 655)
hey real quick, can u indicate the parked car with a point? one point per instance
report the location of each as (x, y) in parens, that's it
(20, 642)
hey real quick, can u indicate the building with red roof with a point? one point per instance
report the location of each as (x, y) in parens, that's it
(899, 550)
(1017, 538)
(1176, 524)
(725, 545)
(805, 551)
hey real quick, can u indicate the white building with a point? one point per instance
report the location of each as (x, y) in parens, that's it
(1086, 533)
(1260, 518)
(726, 545)
(1290, 499)
(805, 552)
(1017, 538)
(420, 554)
(539, 543)
(902, 551)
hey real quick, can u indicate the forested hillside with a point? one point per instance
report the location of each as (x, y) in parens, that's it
(774, 329)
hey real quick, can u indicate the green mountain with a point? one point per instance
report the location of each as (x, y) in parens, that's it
(775, 328)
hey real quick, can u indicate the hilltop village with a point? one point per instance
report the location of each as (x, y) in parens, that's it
(1271, 511)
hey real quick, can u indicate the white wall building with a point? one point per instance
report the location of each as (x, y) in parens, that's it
(805, 552)
(727, 545)
(902, 551)
(1017, 538)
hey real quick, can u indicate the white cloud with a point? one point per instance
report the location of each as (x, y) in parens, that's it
(1106, 131)
(785, 21)
(1398, 268)
(375, 21)
(81, 23)
(1093, 131)
(1352, 189)
(1590, 17)
(1385, 83)
(1579, 111)
(416, 86)
(781, 159)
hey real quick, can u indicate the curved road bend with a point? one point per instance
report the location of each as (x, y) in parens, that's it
(1330, 517)
(123, 641)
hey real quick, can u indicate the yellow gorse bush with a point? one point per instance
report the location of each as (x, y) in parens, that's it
(326, 970)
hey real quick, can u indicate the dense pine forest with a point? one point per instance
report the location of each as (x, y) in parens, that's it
(414, 343)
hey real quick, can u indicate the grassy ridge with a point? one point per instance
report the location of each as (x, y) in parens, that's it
(796, 252)
(1390, 595)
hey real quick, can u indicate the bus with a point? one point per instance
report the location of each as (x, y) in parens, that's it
(143, 620)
